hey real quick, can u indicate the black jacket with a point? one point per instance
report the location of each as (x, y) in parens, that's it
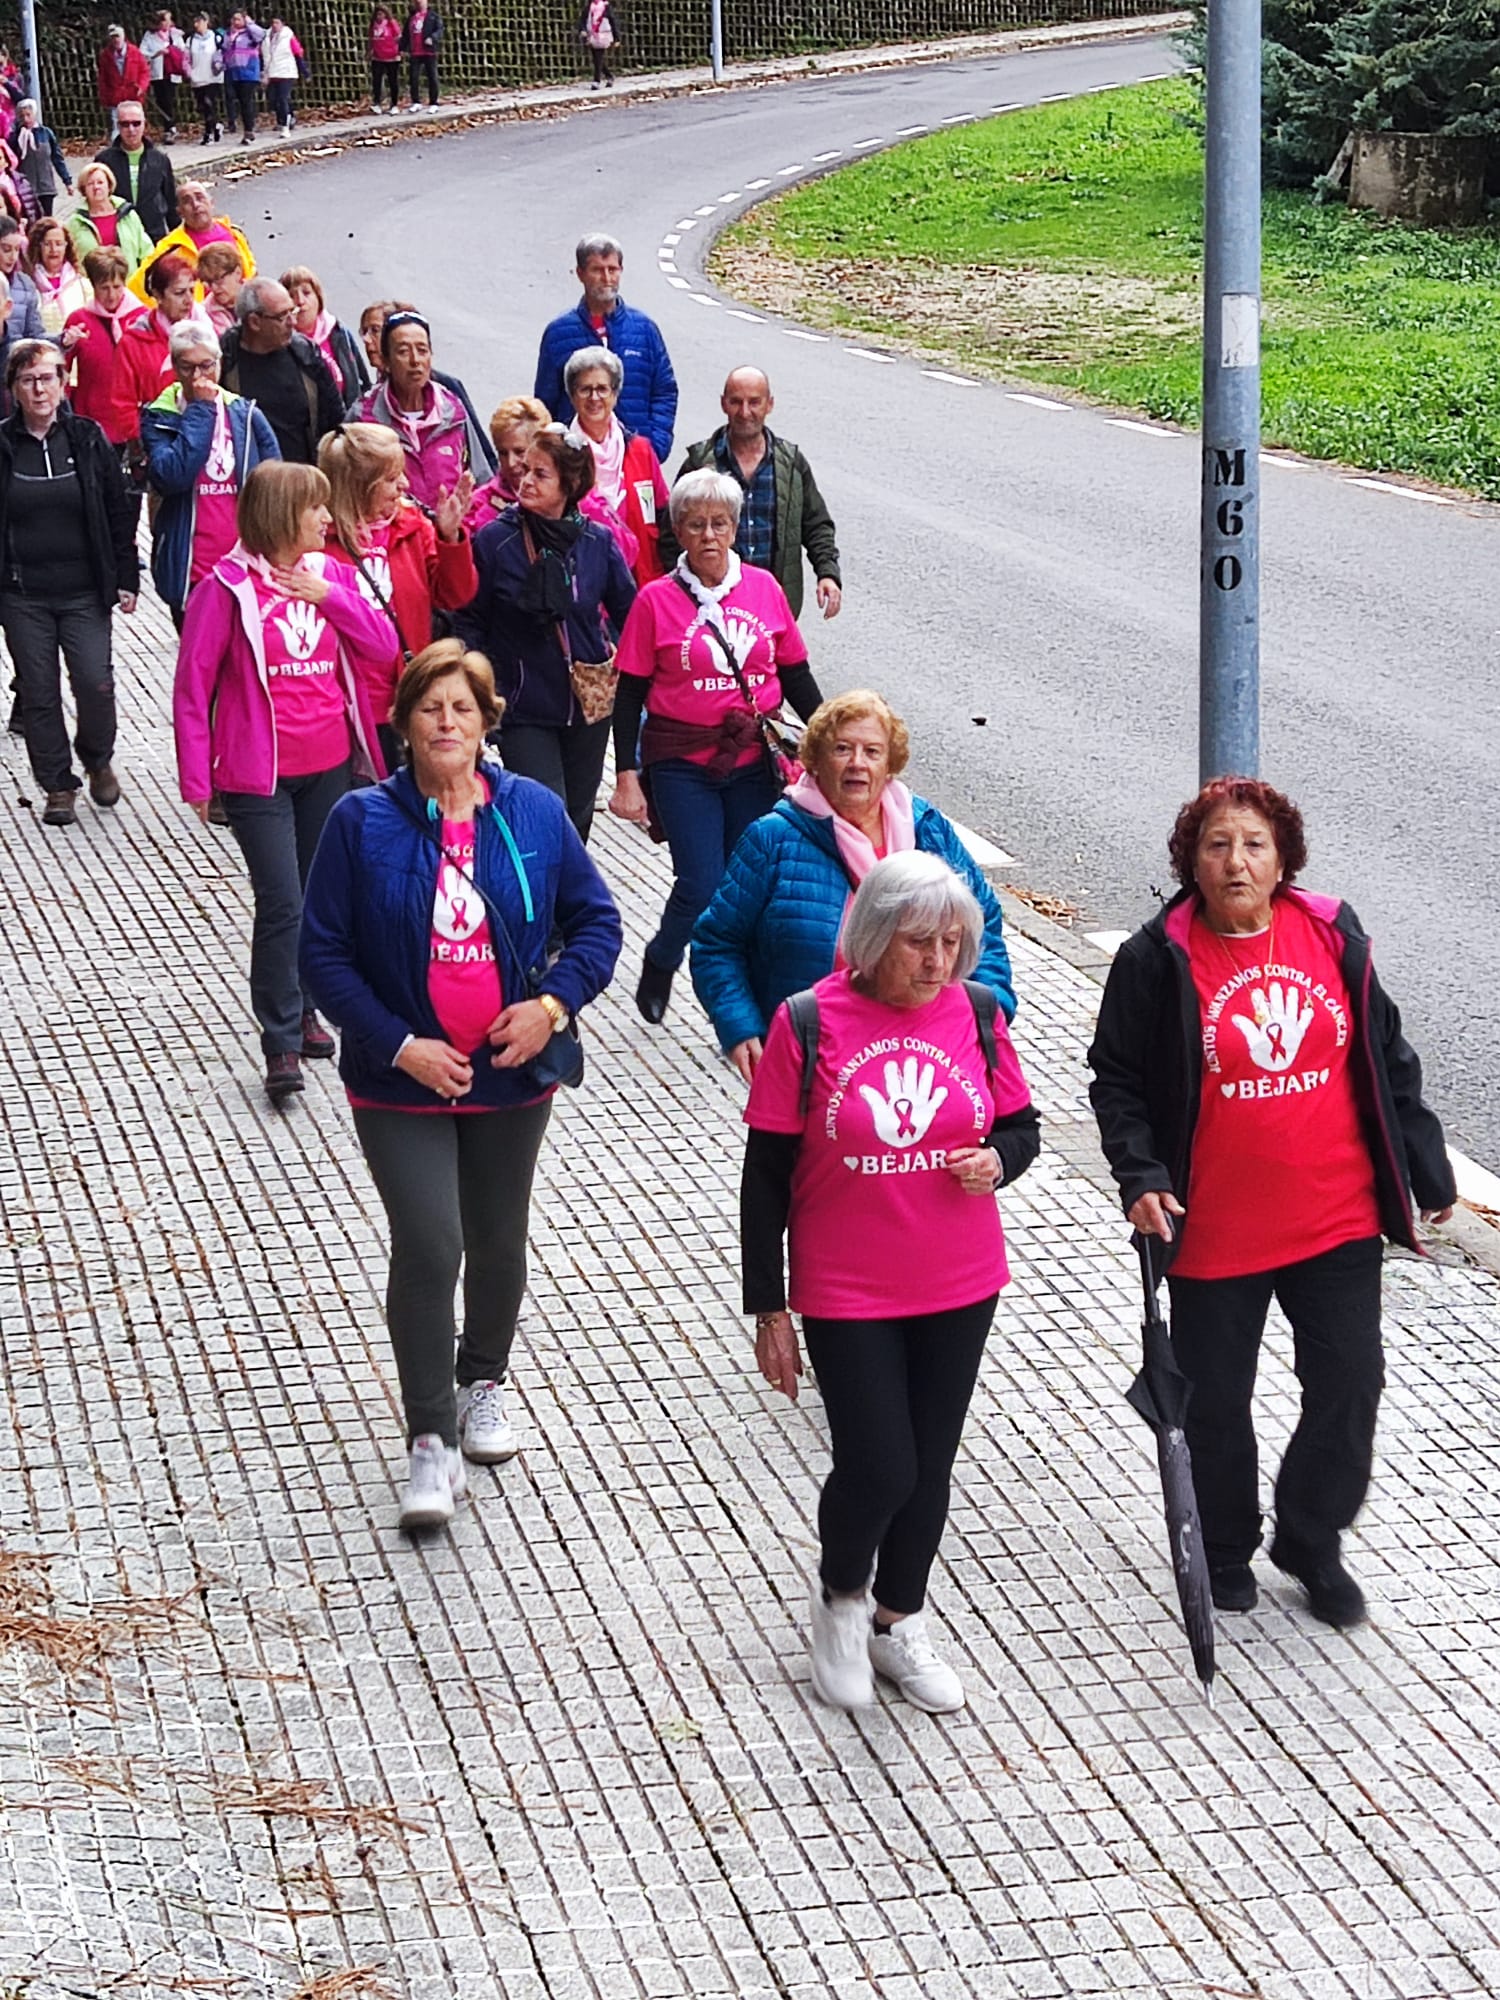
(325, 406)
(156, 196)
(1147, 1059)
(432, 35)
(108, 503)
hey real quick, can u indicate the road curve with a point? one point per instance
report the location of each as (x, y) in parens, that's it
(1022, 579)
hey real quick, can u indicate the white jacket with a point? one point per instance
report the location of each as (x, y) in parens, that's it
(278, 62)
(155, 46)
(205, 60)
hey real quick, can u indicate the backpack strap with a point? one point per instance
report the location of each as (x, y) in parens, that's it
(982, 1000)
(802, 1012)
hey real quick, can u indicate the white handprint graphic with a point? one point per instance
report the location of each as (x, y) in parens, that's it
(1275, 1034)
(910, 1103)
(301, 629)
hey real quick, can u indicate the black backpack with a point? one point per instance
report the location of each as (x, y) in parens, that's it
(802, 1011)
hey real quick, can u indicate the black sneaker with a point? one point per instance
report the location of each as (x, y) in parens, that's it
(1233, 1587)
(316, 1040)
(1333, 1597)
(653, 991)
(284, 1075)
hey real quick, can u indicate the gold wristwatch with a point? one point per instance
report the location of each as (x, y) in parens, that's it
(556, 1012)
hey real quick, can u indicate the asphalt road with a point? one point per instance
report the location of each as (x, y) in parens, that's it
(1033, 567)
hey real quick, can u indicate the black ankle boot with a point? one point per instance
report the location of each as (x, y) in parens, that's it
(653, 992)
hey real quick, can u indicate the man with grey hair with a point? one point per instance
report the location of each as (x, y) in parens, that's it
(143, 173)
(783, 513)
(648, 401)
(281, 370)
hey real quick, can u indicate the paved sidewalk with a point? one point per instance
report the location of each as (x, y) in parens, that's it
(253, 1743)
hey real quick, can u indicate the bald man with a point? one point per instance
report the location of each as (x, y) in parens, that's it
(783, 513)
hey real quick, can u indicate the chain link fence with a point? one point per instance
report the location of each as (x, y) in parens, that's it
(503, 44)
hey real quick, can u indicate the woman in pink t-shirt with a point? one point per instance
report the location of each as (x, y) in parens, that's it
(270, 710)
(879, 1128)
(707, 653)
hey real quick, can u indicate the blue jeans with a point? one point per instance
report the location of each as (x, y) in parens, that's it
(702, 817)
(278, 837)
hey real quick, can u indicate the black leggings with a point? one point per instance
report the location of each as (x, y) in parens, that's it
(416, 68)
(1333, 1303)
(209, 98)
(896, 1392)
(601, 64)
(457, 1190)
(568, 762)
(385, 75)
(246, 97)
(164, 97)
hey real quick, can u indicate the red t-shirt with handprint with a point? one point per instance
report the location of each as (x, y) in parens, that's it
(1281, 1171)
(878, 1227)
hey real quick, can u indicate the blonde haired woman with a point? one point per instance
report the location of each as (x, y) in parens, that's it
(106, 221)
(408, 566)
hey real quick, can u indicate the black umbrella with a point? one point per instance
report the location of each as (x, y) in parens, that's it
(1160, 1394)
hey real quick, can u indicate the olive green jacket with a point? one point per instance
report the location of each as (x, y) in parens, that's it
(802, 517)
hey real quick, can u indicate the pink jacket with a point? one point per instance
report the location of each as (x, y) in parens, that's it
(222, 713)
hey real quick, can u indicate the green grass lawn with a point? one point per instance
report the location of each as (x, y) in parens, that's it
(1063, 245)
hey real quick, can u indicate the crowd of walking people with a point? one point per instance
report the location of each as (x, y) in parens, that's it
(407, 642)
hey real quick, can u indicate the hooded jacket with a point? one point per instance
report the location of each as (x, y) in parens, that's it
(117, 85)
(1147, 1059)
(648, 398)
(773, 925)
(132, 237)
(223, 716)
(367, 925)
(109, 508)
(802, 517)
(178, 437)
(177, 241)
(427, 575)
(440, 456)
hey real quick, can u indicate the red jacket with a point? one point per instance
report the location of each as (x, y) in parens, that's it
(96, 390)
(427, 575)
(115, 85)
(646, 498)
(142, 371)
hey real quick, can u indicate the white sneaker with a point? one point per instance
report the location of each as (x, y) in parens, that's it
(485, 1433)
(905, 1655)
(840, 1659)
(435, 1480)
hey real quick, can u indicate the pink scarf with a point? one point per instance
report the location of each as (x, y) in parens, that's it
(609, 460)
(322, 338)
(856, 850)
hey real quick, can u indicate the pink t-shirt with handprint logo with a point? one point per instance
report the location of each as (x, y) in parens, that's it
(1281, 1170)
(312, 722)
(878, 1225)
(215, 501)
(463, 979)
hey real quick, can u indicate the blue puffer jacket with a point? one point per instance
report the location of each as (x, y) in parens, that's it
(178, 437)
(367, 924)
(648, 396)
(773, 924)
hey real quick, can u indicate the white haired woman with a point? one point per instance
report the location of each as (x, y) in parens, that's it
(628, 477)
(886, 1111)
(708, 654)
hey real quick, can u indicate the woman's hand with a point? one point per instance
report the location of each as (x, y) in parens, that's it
(777, 1355)
(746, 1057)
(1152, 1214)
(448, 514)
(199, 807)
(70, 336)
(519, 1033)
(975, 1168)
(436, 1066)
(301, 583)
(126, 600)
(628, 800)
(1436, 1216)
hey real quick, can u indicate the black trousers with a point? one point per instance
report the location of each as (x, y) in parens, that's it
(457, 1190)
(278, 837)
(1333, 1303)
(164, 97)
(244, 101)
(209, 98)
(416, 68)
(279, 100)
(569, 762)
(897, 1392)
(385, 76)
(41, 635)
(602, 69)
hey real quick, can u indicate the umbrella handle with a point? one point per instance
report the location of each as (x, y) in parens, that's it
(1145, 1249)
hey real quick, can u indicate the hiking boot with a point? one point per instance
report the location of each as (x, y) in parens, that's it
(283, 1075)
(317, 1043)
(60, 809)
(904, 1653)
(485, 1432)
(104, 786)
(1233, 1587)
(1333, 1597)
(841, 1673)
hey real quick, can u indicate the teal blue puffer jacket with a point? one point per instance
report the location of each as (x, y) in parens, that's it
(773, 924)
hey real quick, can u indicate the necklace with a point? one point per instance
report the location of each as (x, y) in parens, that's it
(1258, 1006)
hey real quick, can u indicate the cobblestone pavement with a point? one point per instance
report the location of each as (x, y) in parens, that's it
(254, 1743)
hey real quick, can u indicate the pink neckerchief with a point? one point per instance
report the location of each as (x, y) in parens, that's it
(597, 11)
(609, 460)
(115, 320)
(414, 422)
(856, 850)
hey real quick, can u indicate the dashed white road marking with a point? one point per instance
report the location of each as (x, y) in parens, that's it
(995, 108)
(1054, 97)
(942, 375)
(1036, 402)
(960, 118)
(835, 153)
(757, 184)
(702, 299)
(688, 222)
(1404, 492)
(984, 852)
(863, 145)
(1156, 76)
(796, 333)
(733, 195)
(869, 354)
(794, 168)
(755, 319)
(671, 237)
(682, 284)
(1279, 458)
(1148, 430)
(707, 208)
(667, 267)
(910, 131)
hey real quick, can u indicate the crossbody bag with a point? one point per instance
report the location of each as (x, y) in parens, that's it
(781, 750)
(593, 681)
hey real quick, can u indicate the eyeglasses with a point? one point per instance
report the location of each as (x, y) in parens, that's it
(290, 313)
(593, 389)
(197, 367)
(39, 381)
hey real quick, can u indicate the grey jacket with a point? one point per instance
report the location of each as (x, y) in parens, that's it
(802, 517)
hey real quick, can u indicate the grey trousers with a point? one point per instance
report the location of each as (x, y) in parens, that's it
(457, 1191)
(41, 635)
